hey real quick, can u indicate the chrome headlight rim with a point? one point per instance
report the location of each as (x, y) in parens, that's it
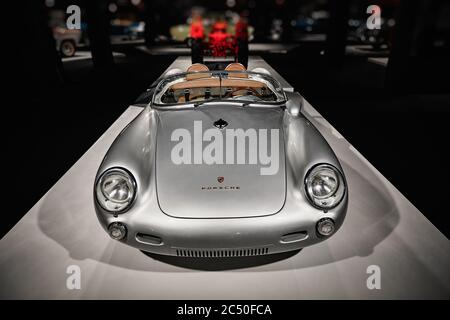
(341, 188)
(99, 192)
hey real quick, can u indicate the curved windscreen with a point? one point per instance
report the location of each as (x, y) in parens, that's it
(199, 87)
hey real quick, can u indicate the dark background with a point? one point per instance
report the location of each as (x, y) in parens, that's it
(395, 113)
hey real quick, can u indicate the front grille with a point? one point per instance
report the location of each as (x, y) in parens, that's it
(221, 253)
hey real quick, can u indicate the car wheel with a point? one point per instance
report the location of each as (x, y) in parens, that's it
(197, 51)
(67, 48)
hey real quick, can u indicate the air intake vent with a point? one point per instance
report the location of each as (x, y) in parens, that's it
(221, 253)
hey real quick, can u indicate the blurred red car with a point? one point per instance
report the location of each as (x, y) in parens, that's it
(219, 43)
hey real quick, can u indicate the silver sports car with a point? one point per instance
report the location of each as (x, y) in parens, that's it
(220, 164)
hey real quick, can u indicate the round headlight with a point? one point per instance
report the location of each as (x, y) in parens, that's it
(115, 190)
(325, 186)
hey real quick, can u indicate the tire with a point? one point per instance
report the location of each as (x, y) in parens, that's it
(197, 51)
(67, 48)
(242, 52)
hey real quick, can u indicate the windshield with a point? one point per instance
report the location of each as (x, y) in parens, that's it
(199, 87)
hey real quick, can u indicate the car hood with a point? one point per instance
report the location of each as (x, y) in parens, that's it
(190, 185)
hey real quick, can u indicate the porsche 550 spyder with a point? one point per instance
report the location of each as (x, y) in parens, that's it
(220, 164)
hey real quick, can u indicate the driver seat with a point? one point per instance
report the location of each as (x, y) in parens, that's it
(197, 67)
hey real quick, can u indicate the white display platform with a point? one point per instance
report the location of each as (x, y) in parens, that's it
(382, 228)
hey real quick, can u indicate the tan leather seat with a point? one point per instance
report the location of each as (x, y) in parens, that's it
(236, 66)
(200, 68)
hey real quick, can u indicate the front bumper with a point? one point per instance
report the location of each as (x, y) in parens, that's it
(290, 229)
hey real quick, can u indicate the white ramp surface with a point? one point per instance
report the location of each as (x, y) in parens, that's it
(382, 229)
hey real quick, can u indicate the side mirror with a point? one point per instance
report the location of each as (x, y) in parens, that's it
(294, 104)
